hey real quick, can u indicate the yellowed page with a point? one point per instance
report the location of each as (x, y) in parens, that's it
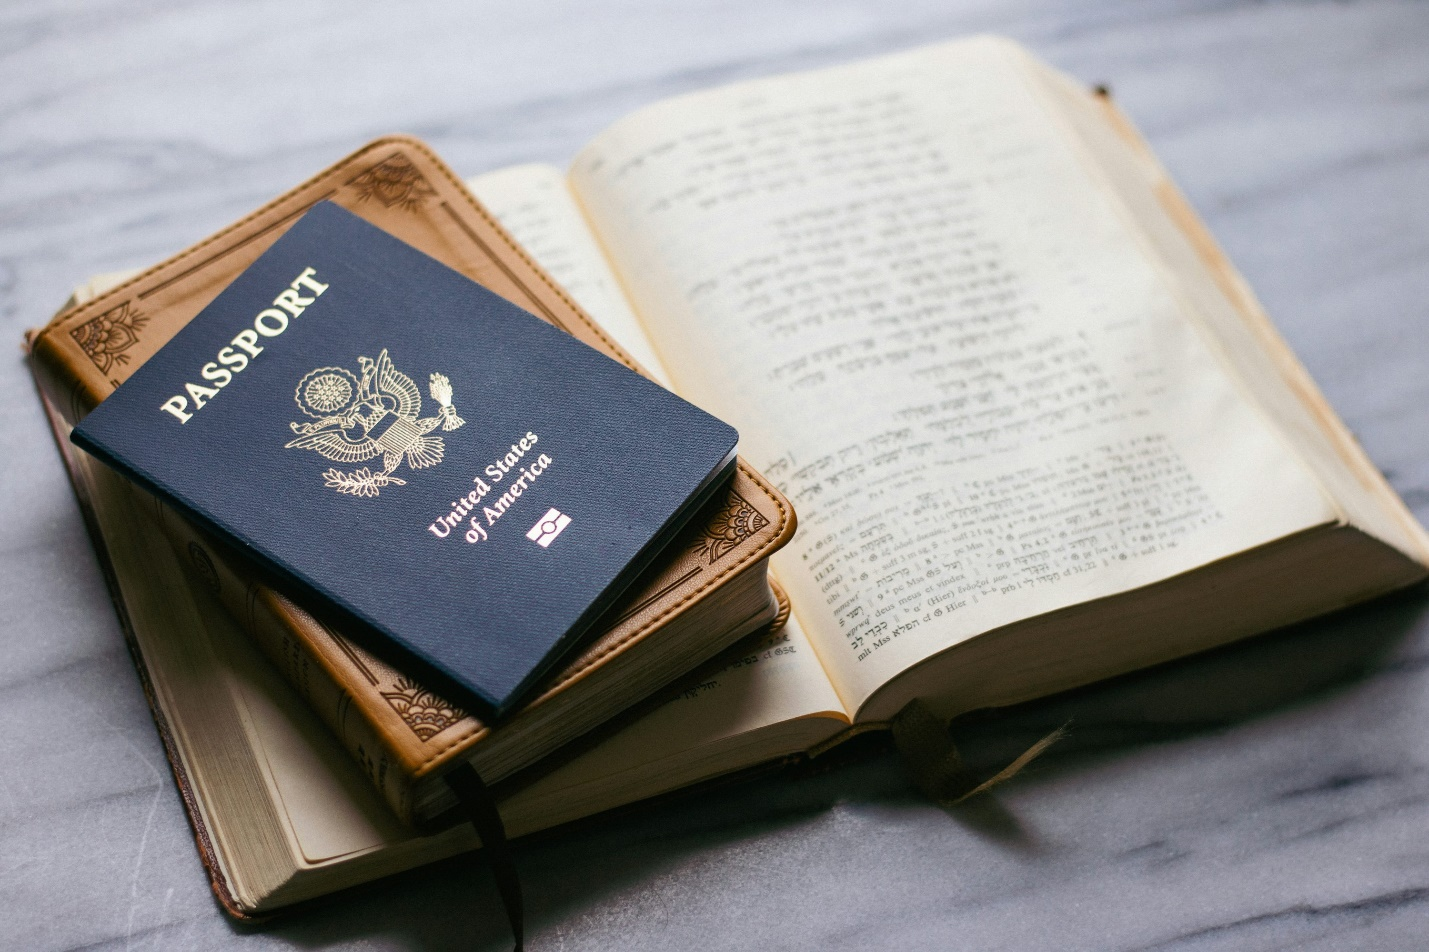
(533, 203)
(1264, 363)
(933, 328)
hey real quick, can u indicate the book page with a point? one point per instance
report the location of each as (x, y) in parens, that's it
(1227, 305)
(533, 203)
(934, 330)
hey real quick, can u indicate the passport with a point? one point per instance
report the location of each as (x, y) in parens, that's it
(431, 465)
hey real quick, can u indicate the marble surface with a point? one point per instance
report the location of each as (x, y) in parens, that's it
(1268, 796)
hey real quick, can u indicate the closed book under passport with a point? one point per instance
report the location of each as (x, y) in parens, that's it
(481, 518)
(709, 589)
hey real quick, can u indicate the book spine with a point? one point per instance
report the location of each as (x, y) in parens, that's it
(276, 627)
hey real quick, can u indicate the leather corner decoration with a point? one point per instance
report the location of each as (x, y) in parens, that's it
(204, 568)
(104, 339)
(395, 180)
(736, 522)
(425, 713)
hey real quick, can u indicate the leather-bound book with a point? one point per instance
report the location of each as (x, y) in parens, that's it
(709, 588)
(492, 520)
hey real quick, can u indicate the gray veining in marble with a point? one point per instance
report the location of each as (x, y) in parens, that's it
(1273, 795)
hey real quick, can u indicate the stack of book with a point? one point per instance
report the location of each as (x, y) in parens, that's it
(1037, 429)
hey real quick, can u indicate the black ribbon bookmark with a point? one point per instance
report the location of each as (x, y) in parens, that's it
(935, 764)
(480, 807)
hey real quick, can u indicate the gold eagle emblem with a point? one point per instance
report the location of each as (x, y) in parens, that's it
(377, 413)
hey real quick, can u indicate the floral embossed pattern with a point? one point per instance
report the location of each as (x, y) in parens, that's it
(735, 523)
(204, 568)
(108, 336)
(424, 712)
(394, 181)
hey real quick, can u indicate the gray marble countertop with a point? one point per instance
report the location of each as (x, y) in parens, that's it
(1268, 796)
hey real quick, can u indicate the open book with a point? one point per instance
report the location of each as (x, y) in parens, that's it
(1037, 429)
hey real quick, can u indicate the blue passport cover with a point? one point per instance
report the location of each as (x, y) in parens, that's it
(401, 445)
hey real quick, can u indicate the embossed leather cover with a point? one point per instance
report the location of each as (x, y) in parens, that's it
(398, 728)
(482, 519)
